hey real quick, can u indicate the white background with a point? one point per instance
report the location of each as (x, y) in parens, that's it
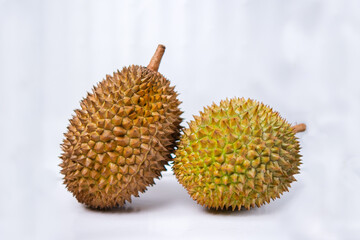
(301, 57)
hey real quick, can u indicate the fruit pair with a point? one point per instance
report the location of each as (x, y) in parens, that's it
(237, 154)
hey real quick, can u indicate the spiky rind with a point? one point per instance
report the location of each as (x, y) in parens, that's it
(121, 138)
(237, 154)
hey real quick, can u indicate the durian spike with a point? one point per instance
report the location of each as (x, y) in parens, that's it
(156, 59)
(299, 127)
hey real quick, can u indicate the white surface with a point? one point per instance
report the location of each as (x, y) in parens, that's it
(300, 57)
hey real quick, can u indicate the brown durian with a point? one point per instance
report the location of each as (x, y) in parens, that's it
(122, 137)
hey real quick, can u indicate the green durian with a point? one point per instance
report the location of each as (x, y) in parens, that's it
(238, 154)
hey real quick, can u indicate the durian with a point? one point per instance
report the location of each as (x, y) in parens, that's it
(122, 137)
(238, 154)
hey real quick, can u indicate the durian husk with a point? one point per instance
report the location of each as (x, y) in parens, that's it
(238, 154)
(121, 138)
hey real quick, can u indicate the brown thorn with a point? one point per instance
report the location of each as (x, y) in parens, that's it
(156, 59)
(299, 127)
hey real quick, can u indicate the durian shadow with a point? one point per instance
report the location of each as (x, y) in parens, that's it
(122, 209)
(229, 211)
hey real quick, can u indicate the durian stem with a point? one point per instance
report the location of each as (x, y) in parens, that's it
(156, 59)
(299, 127)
